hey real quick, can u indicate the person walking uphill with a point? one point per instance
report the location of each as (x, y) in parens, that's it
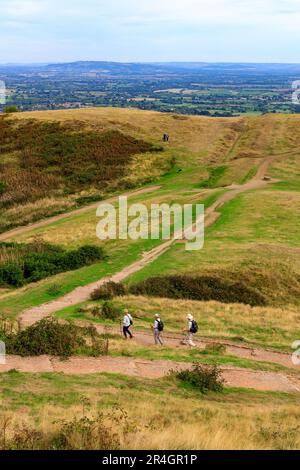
(192, 328)
(157, 329)
(127, 323)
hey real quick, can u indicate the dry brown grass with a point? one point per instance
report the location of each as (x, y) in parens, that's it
(196, 133)
(176, 419)
(24, 214)
(263, 325)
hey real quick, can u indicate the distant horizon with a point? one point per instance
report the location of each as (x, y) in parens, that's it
(155, 62)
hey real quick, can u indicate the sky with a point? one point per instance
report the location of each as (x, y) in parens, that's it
(149, 30)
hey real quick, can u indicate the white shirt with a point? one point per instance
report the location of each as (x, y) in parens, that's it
(126, 320)
(156, 323)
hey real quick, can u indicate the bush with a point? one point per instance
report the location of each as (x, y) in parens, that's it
(110, 311)
(204, 378)
(11, 275)
(39, 260)
(208, 287)
(48, 336)
(108, 291)
(54, 290)
(11, 109)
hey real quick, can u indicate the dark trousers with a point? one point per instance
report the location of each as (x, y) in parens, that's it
(127, 331)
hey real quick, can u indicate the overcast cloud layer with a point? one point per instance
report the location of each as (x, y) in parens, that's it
(150, 30)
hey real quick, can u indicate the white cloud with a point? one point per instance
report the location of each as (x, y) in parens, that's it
(209, 12)
(21, 8)
(213, 27)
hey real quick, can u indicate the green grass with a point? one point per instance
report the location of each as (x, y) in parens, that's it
(120, 255)
(185, 355)
(215, 175)
(34, 391)
(263, 327)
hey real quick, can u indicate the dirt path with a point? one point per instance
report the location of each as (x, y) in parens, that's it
(21, 230)
(244, 351)
(234, 377)
(81, 294)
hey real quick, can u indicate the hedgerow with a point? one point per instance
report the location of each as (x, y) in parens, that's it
(21, 264)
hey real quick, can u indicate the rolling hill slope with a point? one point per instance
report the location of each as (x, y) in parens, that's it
(243, 287)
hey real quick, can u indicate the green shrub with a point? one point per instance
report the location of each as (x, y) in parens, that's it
(206, 287)
(54, 290)
(40, 260)
(11, 275)
(3, 187)
(110, 312)
(48, 336)
(11, 109)
(108, 291)
(204, 378)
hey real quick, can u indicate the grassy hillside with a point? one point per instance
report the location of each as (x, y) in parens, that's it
(39, 405)
(251, 253)
(256, 238)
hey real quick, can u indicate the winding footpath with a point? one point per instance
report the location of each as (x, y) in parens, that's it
(235, 377)
(81, 294)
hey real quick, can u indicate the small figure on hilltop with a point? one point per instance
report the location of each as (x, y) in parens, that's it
(192, 328)
(166, 137)
(127, 323)
(158, 328)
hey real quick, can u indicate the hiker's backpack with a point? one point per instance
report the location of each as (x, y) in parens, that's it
(130, 320)
(160, 325)
(194, 327)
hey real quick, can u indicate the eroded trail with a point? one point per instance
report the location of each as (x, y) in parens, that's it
(65, 215)
(244, 350)
(234, 377)
(82, 294)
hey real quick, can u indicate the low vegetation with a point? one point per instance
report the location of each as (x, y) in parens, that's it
(24, 263)
(39, 160)
(107, 311)
(165, 415)
(194, 287)
(203, 378)
(48, 336)
(97, 432)
(108, 291)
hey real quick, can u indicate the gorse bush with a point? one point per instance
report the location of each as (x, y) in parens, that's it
(204, 378)
(108, 291)
(39, 260)
(48, 336)
(206, 287)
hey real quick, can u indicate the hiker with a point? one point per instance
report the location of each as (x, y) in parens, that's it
(166, 137)
(192, 328)
(127, 323)
(157, 329)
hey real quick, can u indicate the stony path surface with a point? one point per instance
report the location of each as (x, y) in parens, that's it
(234, 377)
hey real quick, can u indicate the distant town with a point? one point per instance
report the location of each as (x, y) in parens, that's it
(208, 89)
